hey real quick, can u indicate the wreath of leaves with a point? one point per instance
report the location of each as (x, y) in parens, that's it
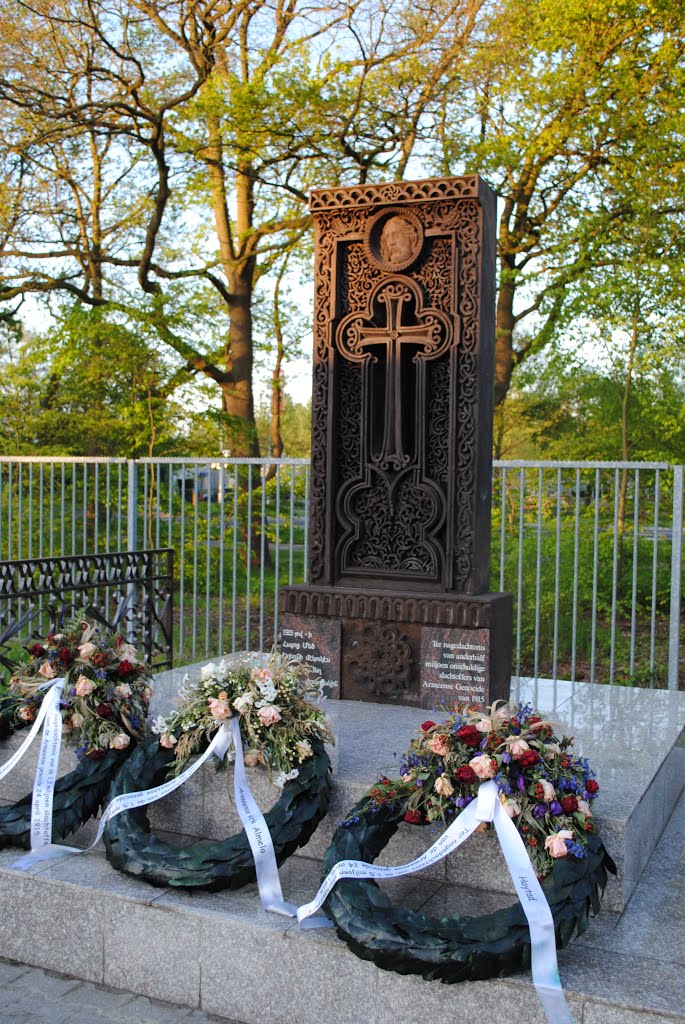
(77, 797)
(457, 948)
(225, 864)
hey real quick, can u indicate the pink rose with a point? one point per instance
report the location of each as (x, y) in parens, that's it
(438, 746)
(123, 690)
(556, 844)
(483, 766)
(443, 786)
(46, 670)
(548, 790)
(84, 686)
(584, 808)
(484, 725)
(252, 758)
(87, 651)
(26, 713)
(511, 806)
(262, 674)
(77, 720)
(167, 740)
(219, 707)
(120, 741)
(517, 747)
(270, 714)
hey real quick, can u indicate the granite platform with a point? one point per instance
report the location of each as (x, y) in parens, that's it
(79, 916)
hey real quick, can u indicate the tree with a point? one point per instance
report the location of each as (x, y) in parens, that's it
(186, 108)
(563, 102)
(63, 392)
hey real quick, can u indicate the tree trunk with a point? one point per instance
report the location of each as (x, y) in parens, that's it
(504, 344)
(237, 398)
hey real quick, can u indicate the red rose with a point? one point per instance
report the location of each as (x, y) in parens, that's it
(569, 804)
(124, 668)
(103, 710)
(529, 758)
(466, 774)
(66, 656)
(533, 719)
(427, 725)
(37, 650)
(470, 736)
(97, 754)
(592, 786)
(413, 817)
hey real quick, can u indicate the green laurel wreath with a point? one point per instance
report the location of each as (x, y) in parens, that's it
(449, 949)
(77, 797)
(225, 864)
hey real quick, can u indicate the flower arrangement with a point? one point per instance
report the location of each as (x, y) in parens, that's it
(105, 699)
(543, 786)
(277, 722)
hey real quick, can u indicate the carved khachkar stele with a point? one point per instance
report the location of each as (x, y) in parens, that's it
(401, 410)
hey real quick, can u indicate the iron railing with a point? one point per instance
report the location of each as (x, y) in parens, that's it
(592, 552)
(128, 591)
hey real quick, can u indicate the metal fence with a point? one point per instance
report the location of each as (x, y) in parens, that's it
(592, 552)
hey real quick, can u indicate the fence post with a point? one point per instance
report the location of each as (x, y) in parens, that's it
(676, 577)
(132, 510)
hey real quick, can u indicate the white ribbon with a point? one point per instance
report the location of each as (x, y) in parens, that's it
(486, 808)
(49, 714)
(139, 798)
(42, 848)
(258, 835)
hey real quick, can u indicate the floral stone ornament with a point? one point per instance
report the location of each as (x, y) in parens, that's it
(545, 789)
(104, 708)
(280, 729)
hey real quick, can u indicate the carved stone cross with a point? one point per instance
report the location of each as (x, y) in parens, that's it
(357, 336)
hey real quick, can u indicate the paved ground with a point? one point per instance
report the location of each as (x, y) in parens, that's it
(29, 995)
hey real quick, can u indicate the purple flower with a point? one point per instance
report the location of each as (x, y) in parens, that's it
(555, 807)
(506, 758)
(521, 784)
(540, 810)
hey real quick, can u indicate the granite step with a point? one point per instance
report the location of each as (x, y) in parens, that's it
(220, 954)
(634, 739)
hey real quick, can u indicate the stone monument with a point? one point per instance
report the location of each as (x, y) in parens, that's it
(397, 607)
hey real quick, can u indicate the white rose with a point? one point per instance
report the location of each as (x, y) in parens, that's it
(242, 703)
(207, 672)
(120, 742)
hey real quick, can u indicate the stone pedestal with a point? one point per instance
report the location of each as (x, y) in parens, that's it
(413, 649)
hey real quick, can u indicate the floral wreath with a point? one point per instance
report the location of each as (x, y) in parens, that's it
(281, 730)
(545, 789)
(104, 707)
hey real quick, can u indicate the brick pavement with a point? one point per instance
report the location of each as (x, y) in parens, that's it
(29, 995)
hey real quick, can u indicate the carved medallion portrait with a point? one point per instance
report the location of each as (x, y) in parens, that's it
(394, 239)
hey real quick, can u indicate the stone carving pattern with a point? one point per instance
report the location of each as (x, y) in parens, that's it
(359, 279)
(464, 220)
(394, 192)
(438, 454)
(348, 447)
(434, 274)
(329, 228)
(360, 605)
(392, 525)
(381, 662)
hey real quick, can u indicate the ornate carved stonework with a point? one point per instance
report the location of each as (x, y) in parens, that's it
(381, 661)
(402, 405)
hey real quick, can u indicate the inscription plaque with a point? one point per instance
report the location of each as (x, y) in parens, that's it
(455, 667)
(316, 642)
